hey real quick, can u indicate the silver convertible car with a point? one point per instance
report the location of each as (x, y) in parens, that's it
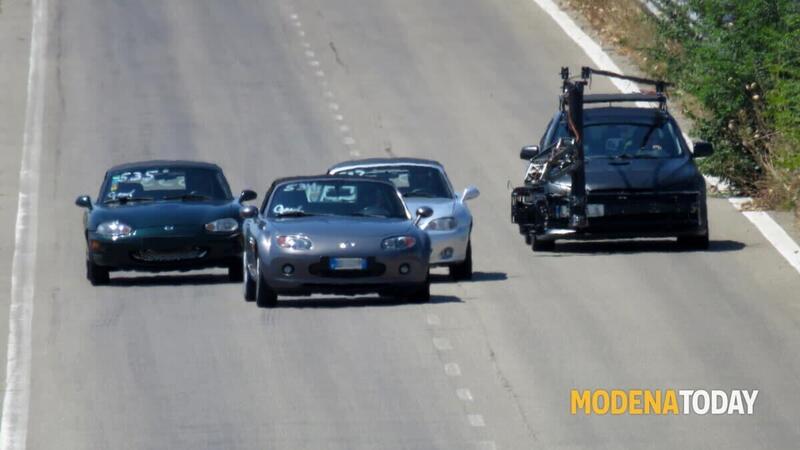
(339, 235)
(424, 183)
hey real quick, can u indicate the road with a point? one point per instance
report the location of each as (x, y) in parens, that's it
(268, 88)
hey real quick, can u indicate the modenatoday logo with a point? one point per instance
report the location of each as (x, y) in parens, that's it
(662, 402)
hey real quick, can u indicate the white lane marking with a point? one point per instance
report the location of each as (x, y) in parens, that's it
(309, 53)
(338, 117)
(301, 33)
(328, 94)
(16, 398)
(298, 24)
(344, 128)
(433, 320)
(333, 106)
(464, 394)
(773, 232)
(355, 153)
(313, 63)
(442, 344)
(320, 73)
(487, 445)
(294, 16)
(476, 420)
(348, 140)
(776, 235)
(452, 369)
(306, 45)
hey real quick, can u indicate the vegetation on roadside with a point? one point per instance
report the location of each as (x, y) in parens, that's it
(736, 65)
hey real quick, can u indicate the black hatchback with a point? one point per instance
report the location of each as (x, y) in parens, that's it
(163, 215)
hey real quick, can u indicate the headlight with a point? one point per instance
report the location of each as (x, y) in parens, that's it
(442, 224)
(294, 242)
(226, 225)
(114, 229)
(398, 243)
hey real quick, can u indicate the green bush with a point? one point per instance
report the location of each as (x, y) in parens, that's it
(741, 61)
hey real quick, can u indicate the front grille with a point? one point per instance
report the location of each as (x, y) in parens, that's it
(645, 211)
(184, 254)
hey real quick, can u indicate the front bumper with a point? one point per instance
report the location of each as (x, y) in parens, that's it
(449, 247)
(162, 253)
(311, 273)
(620, 215)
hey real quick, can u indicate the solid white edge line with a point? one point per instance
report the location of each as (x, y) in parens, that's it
(14, 422)
(773, 232)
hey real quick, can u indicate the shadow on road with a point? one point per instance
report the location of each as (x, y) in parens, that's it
(476, 277)
(358, 302)
(169, 280)
(638, 246)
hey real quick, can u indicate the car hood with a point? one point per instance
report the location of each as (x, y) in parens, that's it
(442, 207)
(341, 227)
(639, 175)
(154, 214)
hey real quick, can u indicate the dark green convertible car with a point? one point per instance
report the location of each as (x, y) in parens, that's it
(163, 215)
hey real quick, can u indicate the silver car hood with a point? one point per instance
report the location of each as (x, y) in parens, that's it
(341, 227)
(442, 207)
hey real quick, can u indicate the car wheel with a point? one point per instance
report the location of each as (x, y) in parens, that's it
(463, 270)
(527, 239)
(235, 272)
(97, 275)
(694, 242)
(265, 296)
(249, 284)
(419, 294)
(539, 245)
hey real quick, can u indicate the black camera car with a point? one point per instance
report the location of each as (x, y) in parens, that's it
(606, 171)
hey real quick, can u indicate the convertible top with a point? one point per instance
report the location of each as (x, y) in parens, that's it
(165, 163)
(385, 162)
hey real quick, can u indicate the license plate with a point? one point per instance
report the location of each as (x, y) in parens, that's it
(347, 264)
(595, 210)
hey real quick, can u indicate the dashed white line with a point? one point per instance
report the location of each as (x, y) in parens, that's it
(442, 344)
(328, 94)
(476, 420)
(487, 445)
(320, 73)
(433, 319)
(293, 17)
(310, 53)
(313, 63)
(464, 394)
(298, 24)
(344, 128)
(301, 33)
(452, 369)
(338, 117)
(348, 140)
(333, 106)
(16, 398)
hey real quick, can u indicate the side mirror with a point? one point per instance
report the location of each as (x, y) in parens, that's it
(702, 149)
(248, 212)
(84, 201)
(469, 193)
(247, 195)
(529, 152)
(422, 213)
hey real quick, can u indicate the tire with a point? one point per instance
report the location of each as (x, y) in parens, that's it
(265, 296)
(97, 275)
(249, 284)
(463, 270)
(419, 294)
(694, 242)
(235, 272)
(539, 245)
(527, 239)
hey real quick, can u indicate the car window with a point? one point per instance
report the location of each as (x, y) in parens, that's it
(633, 140)
(163, 183)
(410, 180)
(335, 197)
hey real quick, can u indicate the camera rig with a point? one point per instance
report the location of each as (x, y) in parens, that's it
(529, 206)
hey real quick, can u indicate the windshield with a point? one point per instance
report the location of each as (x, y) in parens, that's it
(164, 183)
(410, 180)
(336, 198)
(656, 140)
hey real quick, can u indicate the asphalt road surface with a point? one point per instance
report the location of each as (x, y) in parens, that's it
(268, 88)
